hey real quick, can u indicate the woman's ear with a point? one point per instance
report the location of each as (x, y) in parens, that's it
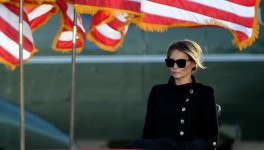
(193, 66)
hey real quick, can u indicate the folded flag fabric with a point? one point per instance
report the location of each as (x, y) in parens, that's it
(108, 32)
(36, 13)
(63, 39)
(110, 20)
(9, 39)
(39, 14)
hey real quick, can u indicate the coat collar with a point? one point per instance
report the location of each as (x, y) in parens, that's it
(172, 81)
(181, 88)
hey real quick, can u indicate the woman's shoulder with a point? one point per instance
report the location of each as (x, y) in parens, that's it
(159, 87)
(204, 87)
(201, 86)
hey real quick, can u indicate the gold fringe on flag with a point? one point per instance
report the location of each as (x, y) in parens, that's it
(85, 9)
(65, 50)
(51, 14)
(5, 1)
(105, 47)
(13, 66)
(255, 32)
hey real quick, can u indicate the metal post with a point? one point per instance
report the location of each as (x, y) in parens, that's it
(72, 105)
(22, 107)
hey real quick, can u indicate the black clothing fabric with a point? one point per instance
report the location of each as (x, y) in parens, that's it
(168, 144)
(182, 113)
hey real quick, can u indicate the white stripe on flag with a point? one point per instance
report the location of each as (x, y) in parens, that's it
(13, 20)
(69, 13)
(39, 11)
(228, 7)
(108, 32)
(12, 47)
(66, 36)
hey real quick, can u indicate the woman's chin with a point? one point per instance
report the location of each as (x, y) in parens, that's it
(176, 76)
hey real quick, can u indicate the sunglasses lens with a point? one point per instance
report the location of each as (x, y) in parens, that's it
(169, 62)
(181, 63)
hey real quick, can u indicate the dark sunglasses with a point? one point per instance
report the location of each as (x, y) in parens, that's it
(181, 63)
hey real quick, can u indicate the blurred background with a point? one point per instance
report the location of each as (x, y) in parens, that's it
(112, 88)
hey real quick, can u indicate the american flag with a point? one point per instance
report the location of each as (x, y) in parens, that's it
(92, 6)
(63, 39)
(36, 13)
(237, 16)
(9, 31)
(110, 20)
(108, 32)
(39, 14)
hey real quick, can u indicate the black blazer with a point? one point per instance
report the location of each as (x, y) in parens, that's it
(181, 112)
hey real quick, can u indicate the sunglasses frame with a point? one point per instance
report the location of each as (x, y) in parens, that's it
(181, 63)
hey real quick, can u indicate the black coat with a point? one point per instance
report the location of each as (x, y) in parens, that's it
(181, 113)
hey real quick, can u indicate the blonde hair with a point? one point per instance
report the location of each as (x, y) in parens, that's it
(189, 47)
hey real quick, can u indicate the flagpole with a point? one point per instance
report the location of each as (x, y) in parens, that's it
(22, 117)
(72, 105)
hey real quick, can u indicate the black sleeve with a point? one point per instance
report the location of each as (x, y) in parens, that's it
(210, 118)
(149, 127)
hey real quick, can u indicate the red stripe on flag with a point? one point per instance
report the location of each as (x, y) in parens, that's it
(241, 35)
(165, 20)
(13, 34)
(100, 16)
(68, 44)
(67, 25)
(128, 5)
(103, 39)
(116, 24)
(100, 3)
(244, 2)
(15, 10)
(9, 28)
(108, 32)
(7, 56)
(37, 19)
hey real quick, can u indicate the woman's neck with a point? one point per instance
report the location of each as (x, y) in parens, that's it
(183, 80)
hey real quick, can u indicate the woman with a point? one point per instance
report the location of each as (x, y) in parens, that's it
(181, 114)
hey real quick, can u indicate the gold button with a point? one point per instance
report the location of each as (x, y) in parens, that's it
(214, 143)
(191, 91)
(182, 121)
(181, 133)
(183, 108)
